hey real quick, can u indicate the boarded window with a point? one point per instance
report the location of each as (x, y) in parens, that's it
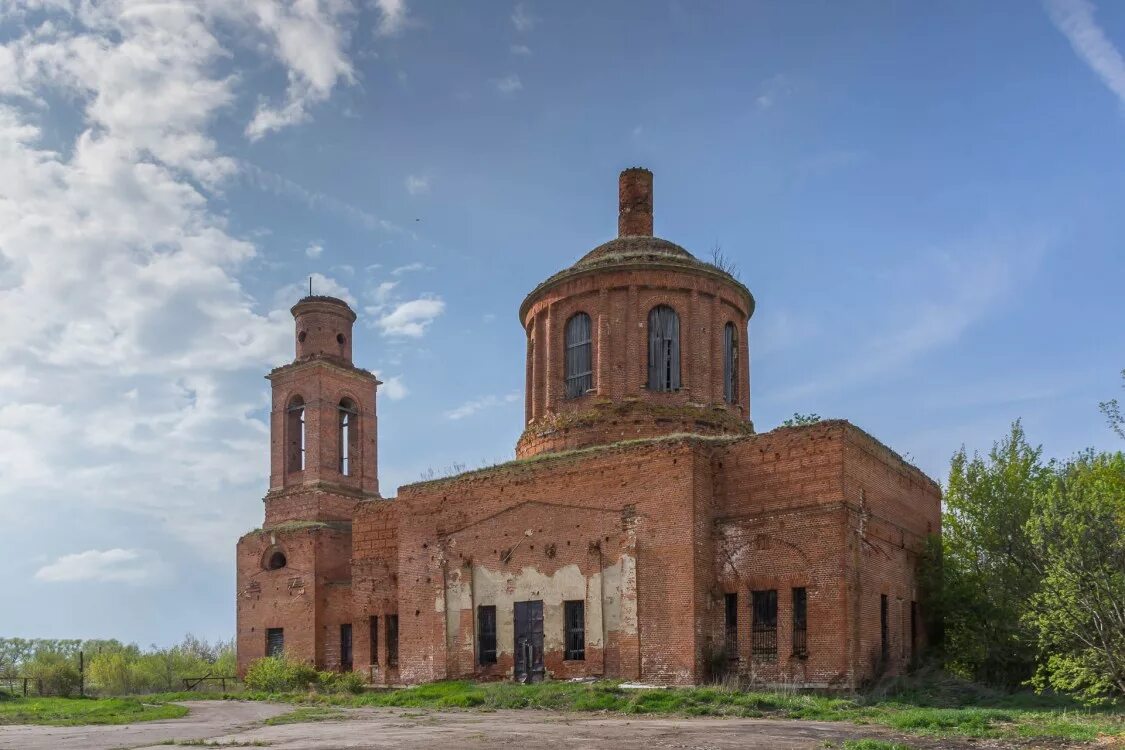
(579, 359)
(764, 627)
(295, 434)
(884, 645)
(663, 349)
(800, 622)
(574, 615)
(373, 634)
(486, 634)
(730, 363)
(346, 647)
(731, 630)
(275, 641)
(392, 640)
(349, 437)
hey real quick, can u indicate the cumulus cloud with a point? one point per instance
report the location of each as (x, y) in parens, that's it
(1075, 19)
(392, 17)
(520, 49)
(469, 408)
(509, 84)
(133, 566)
(135, 345)
(314, 250)
(411, 319)
(522, 19)
(310, 38)
(393, 387)
(416, 185)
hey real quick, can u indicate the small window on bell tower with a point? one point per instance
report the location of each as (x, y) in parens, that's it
(295, 434)
(349, 428)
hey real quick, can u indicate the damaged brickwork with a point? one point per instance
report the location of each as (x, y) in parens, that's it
(644, 532)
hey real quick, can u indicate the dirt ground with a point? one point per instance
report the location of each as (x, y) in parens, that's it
(239, 724)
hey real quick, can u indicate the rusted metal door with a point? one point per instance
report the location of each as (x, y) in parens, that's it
(529, 641)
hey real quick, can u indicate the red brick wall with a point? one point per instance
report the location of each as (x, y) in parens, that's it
(600, 500)
(374, 584)
(297, 597)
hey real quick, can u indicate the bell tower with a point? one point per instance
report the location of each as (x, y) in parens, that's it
(323, 427)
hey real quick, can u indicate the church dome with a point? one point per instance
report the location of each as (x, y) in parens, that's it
(638, 338)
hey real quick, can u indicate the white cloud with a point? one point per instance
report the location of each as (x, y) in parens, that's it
(314, 250)
(416, 185)
(133, 566)
(393, 387)
(522, 19)
(309, 38)
(324, 286)
(265, 180)
(470, 408)
(509, 84)
(392, 17)
(1075, 19)
(772, 90)
(136, 347)
(410, 268)
(411, 319)
(520, 49)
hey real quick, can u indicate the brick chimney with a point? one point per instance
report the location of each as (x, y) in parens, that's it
(634, 191)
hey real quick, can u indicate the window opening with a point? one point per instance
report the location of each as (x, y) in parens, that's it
(574, 616)
(663, 349)
(800, 621)
(486, 634)
(764, 626)
(579, 359)
(392, 640)
(275, 641)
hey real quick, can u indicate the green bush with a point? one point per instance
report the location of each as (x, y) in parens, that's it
(54, 674)
(280, 674)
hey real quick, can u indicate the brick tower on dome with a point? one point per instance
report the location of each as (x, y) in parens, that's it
(637, 339)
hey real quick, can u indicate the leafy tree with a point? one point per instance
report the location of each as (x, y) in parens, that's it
(991, 567)
(801, 420)
(1112, 411)
(1079, 611)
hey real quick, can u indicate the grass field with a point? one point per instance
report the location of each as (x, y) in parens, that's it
(931, 712)
(64, 712)
(934, 707)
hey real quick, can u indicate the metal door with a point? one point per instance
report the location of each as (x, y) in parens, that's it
(529, 641)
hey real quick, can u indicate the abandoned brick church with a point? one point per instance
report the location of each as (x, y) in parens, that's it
(644, 530)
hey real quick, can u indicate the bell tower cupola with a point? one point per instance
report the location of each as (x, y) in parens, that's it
(323, 425)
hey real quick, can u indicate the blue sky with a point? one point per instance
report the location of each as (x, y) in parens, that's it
(923, 198)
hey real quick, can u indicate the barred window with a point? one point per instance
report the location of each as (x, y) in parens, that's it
(579, 359)
(731, 632)
(295, 434)
(764, 627)
(275, 641)
(574, 617)
(373, 634)
(730, 363)
(349, 427)
(486, 634)
(663, 349)
(800, 622)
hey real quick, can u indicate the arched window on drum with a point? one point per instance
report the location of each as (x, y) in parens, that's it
(579, 356)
